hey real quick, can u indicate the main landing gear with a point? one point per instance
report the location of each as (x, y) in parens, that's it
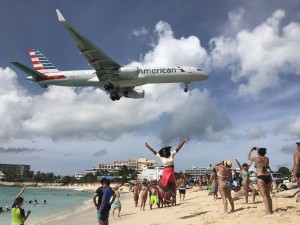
(114, 96)
(186, 86)
(108, 86)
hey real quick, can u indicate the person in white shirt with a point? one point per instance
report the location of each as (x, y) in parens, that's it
(167, 158)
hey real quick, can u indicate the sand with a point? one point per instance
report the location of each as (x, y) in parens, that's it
(198, 208)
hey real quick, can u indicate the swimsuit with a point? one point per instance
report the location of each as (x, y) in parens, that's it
(136, 196)
(214, 186)
(225, 184)
(182, 190)
(266, 178)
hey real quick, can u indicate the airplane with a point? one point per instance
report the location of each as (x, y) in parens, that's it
(118, 81)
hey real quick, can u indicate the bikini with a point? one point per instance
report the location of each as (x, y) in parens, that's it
(225, 184)
(265, 178)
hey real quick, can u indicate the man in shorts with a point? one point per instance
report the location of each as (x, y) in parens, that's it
(98, 193)
(181, 183)
(108, 194)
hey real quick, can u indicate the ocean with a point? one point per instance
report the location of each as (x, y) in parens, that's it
(57, 202)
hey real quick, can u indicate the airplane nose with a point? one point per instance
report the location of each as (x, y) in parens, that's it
(205, 76)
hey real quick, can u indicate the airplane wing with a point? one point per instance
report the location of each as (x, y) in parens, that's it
(103, 64)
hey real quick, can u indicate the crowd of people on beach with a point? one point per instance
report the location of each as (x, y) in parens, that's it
(162, 193)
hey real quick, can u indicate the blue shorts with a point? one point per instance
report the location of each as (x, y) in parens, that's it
(98, 214)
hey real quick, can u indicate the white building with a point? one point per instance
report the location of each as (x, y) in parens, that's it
(196, 172)
(151, 173)
(2, 175)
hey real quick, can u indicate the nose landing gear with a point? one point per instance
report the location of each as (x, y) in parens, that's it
(186, 86)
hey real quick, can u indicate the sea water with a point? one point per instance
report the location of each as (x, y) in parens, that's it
(57, 202)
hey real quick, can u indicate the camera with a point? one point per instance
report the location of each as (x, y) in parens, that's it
(254, 148)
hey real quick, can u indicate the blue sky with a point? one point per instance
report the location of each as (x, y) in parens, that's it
(249, 48)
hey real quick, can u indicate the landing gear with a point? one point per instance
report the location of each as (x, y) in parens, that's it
(114, 96)
(108, 86)
(186, 87)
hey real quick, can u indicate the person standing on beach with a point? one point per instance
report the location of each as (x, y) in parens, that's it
(144, 195)
(213, 180)
(98, 194)
(181, 183)
(117, 203)
(17, 213)
(246, 183)
(264, 179)
(136, 192)
(223, 173)
(296, 168)
(167, 158)
(108, 197)
(153, 194)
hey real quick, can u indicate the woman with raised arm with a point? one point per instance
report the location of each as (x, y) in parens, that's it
(264, 179)
(167, 158)
(223, 174)
(246, 180)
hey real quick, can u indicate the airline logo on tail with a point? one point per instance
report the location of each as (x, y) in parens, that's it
(40, 62)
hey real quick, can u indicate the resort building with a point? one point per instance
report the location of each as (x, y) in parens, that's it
(16, 170)
(113, 168)
(151, 173)
(196, 172)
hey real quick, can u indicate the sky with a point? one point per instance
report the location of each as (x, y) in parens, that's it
(250, 49)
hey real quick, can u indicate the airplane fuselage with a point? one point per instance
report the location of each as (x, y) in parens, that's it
(149, 75)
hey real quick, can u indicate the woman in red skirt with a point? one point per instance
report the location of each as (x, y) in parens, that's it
(167, 158)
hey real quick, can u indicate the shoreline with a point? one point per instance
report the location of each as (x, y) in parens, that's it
(198, 208)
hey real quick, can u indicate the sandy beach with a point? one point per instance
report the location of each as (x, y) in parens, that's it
(198, 208)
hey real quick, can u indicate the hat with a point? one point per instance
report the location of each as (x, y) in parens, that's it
(298, 143)
(227, 163)
(245, 165)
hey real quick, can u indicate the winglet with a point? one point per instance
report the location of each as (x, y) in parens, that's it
(60, 16)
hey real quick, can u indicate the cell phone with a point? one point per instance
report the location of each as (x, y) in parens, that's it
(254, 148)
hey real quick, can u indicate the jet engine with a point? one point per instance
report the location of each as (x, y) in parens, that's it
(134, 94)
(129, 71)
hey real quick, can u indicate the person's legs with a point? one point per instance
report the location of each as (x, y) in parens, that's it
(269, 199)
(228, 195)
(245, 187)
(223, 194)
(254, 192)
(119, 211)
(263, 192)
(113, 212)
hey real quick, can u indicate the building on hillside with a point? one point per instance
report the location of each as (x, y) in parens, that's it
(196, 172)
(16, 170)
(151, 173)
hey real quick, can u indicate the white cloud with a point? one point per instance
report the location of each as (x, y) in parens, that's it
(140, 32)
(258, 57)
(291, 128)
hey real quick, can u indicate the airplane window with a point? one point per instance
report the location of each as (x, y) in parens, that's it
(199, 70)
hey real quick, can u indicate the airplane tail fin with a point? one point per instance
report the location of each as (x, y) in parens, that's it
(41, 63)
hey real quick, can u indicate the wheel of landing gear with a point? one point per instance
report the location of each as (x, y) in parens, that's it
(111, 86)
(112, 98)
(117, 97)
(106, 87)
(186, 90)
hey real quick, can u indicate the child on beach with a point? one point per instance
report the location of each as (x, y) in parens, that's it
(161, 195)
(17, 213)
(117, 203)
(153, 194)
(144, 195)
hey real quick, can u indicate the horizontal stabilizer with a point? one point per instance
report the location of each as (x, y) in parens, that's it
(28, 70)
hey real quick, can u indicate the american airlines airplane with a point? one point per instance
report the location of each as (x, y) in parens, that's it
(118, 81)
